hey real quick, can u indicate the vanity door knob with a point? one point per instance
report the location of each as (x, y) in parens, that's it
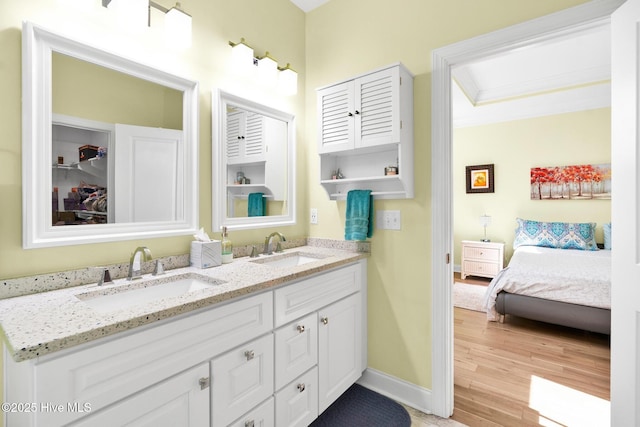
(324, 320)
(300, 328)
(204, 383)
(249, 354)
(301, 387)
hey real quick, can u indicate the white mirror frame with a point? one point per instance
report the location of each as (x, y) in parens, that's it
(220, 99)
(37, 47)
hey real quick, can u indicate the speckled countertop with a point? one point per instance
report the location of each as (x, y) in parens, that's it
(42, 323)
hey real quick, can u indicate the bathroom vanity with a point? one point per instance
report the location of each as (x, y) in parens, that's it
(270, 345)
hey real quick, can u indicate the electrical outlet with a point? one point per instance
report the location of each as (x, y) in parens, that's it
(314, 216)
(388, 220)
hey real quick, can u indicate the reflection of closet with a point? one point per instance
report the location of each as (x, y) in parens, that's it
(142, 171)
(256, 149)
(72, 178)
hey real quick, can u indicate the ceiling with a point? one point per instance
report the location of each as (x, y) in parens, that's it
(308, 5)
(559, 76)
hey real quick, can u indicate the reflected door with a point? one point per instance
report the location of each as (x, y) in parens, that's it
(148, 174)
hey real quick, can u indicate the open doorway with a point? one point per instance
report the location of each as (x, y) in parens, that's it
(561, 24)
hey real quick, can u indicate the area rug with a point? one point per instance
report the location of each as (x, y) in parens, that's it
(468, 296)
(359, 406)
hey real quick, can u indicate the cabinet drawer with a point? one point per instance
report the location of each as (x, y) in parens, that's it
(178, 401)
(297, 403)
(480, 268)
(296, 349)
(299, 299)
(241, 379)
(107, 372)
(480, 253)
(262, 416)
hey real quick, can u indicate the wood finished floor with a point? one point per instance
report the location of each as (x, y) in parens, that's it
(498, 366)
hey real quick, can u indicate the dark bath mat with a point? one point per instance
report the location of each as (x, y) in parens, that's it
(359, 406)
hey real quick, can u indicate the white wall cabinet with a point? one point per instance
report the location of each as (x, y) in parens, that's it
(260, 360)
(245, 141)
(365, 124)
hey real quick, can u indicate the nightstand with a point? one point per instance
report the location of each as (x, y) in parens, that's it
(483, 259)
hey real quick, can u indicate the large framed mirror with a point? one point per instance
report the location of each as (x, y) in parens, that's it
(109, 145)
(254, 164)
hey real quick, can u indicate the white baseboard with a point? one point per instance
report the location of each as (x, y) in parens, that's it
(399, 390)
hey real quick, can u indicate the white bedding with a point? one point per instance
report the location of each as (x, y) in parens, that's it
(568, 275)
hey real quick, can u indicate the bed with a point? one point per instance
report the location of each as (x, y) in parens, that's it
(564, 286)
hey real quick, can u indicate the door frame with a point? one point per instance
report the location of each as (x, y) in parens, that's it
(561, 24)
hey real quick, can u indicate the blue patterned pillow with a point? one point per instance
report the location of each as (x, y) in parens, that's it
(607, 235)
(561, 235)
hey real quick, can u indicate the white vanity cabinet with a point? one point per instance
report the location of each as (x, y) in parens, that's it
(365, 124)
(334, 305)
(279, 357)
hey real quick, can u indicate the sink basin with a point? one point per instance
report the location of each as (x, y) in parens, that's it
(136, 293)
(292, 259)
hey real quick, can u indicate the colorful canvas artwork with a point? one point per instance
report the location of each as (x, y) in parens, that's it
(576, 182)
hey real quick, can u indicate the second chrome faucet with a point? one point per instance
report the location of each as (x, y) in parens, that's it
(135, 265)
(268, 250)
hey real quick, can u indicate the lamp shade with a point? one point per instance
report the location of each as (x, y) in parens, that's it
(268, 71)
(288, 81)
(178, 27)
(132, 15)
(242, 58)
(485, 220)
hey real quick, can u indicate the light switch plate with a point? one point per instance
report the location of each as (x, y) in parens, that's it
(388, 220)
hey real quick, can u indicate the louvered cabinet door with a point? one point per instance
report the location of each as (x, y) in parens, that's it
(336, 118)
(254, 149)
(377, 113)
(235, 132)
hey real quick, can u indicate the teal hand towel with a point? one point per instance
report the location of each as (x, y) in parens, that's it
(359, 217)
(256, 204)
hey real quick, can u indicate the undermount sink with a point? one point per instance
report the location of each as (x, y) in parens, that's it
(292, 259)
(141, 292)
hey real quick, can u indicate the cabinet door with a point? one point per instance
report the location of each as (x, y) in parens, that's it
(377, 108)
(182, 400)
(241, 379)
(235, 132)
(296, 349)
(339, 348)
(254, 138)
(336, 118)
(297, 403)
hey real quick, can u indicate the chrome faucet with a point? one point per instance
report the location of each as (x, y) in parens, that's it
(135, 262)
(267, 243)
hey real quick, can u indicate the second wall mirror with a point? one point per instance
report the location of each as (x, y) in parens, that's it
(253, 164)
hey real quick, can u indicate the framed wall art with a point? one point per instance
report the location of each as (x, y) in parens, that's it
(480, 179)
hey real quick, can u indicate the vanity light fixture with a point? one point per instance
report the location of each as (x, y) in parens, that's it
(264, 68)
(137, 13)
(485, 221)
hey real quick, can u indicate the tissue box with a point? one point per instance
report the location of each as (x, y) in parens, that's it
(206, 254)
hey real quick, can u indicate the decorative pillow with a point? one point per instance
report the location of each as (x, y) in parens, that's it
(607, 235)
(561, 235)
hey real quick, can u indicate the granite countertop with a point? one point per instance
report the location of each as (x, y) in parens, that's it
(42, 323)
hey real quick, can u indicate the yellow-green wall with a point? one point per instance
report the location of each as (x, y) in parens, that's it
(349, 37)
(340, 39)
(514, 148)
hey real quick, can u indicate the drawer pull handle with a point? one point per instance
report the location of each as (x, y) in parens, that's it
(300, 328)
(249, 354)
(204, 383)
(249, 423)
(324, 320)
(301, 387)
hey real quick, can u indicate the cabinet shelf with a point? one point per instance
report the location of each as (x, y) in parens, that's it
(95, 166)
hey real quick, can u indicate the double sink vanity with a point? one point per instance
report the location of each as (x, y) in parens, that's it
(272, 340)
